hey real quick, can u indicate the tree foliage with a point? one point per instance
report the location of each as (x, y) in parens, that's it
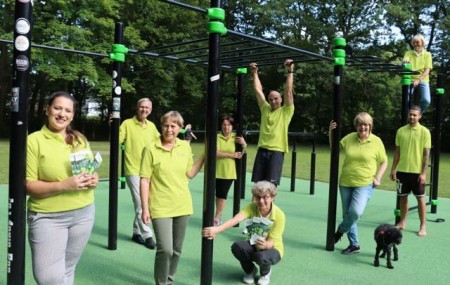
(379, 28)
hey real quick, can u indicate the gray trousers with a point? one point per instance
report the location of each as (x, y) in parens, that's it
(139, 228)
(57, 241)
(169, 234)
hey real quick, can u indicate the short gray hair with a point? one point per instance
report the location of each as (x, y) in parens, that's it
(262, 188)
(175, 116)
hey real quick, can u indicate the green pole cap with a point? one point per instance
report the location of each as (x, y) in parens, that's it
(338, 53)
(407, 66)
(118, 48)
(434, 202)
(339, 61)
(122, 147)
(216, 28)
(216, 14)
(406, 81)
(339, 42)
(242, 70)
(397, 212)
(440, 91)
(117, 57)
(122, 179)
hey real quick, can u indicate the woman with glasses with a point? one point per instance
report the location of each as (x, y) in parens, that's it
(265, 224)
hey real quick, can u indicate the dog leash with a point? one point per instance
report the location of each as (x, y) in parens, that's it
(438, 220)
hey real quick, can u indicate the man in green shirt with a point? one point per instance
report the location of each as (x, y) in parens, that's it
(136, 133)
(409, 168)
(273, 133)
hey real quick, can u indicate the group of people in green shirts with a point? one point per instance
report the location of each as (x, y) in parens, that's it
(158, 167)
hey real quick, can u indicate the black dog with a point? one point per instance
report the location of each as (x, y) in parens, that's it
(387, 237)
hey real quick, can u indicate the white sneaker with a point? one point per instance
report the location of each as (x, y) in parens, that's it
(250, 277)
(265, 279)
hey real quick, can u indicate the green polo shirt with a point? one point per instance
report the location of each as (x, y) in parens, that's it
(419, 63)
(276, 230)
(135, 137)
(48, 159)
(167, 171)
(361, 159)
(412, 141)
(273, 133)
(226, 167)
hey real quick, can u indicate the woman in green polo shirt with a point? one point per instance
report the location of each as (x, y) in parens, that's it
(225, 164)
(166, 168)
(265, 224)
(61, 197)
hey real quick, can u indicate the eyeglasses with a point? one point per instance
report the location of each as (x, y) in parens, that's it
(266, 197)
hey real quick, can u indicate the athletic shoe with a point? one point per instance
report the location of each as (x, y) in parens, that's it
(351, 249)
(150, 243)
(249, 278)
(265, 279)
(137, 239)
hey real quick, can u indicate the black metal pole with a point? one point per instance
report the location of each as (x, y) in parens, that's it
(436, 142)
(406, 81)
(312, 179)
(293, 166)
(114, 138)
(239, 132)
(210, 147)
(18, 143)
(334, 161)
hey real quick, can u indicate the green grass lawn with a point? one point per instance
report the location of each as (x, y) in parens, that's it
(302, 169)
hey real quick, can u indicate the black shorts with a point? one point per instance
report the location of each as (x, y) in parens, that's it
(222, 187)
(409, 182)
(268, 166)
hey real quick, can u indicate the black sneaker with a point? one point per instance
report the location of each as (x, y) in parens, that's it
(337, 236)
(351, 249)
(138, 239)
(150, 243)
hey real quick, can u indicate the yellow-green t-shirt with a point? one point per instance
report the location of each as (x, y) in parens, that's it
(167, 170)
(48, 159)
(226, 167)
(276, 230)
(419, 63)
(361, 159)
(135, 137)
(412, 141)
(273, 133)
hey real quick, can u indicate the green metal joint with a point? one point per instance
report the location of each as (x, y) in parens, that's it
(407, 66)
(397, 212)
(339, 42)
(122, 147)
(118, 48)
(122, 179)
(242, 70)
(338, 53)
(434, 202)
(117, 57)
(406, 76)
(217, 28)
(339, 61)
(440, 91)
(216, 14)
(406, 82)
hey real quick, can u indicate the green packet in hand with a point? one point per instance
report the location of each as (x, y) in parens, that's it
(82, 162)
